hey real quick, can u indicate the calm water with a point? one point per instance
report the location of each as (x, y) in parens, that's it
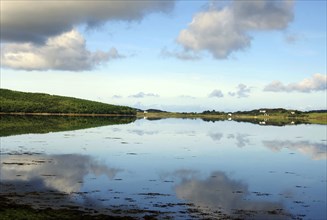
(179, 168)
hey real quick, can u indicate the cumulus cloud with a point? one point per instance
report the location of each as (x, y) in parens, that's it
(64, 52)
(36, 21)
(226, 30)
(242, 91)
(231, 93)
(317, 151)
(117, 96)
(41, 35)
(187, 97)
(143, 95)
(182, 55)
(292, 38)
(318, 82)
(216, 93)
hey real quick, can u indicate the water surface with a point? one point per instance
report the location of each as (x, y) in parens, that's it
(178, 168)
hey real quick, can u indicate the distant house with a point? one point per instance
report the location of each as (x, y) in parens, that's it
(230, 114)
(292, 113)
(145, 112)
(264, 112)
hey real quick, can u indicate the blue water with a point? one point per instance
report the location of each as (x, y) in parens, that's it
(181, 168)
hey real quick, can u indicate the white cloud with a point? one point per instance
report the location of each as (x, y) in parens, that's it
(231, 93)
(318, 82)
(36, 21)
(64, 52)
(226, 30)
(41, 35)
(187, 97)
(242, 91)
(117, 96)
(143, 95)
(292, 38)
(216, 93)
(182, 55)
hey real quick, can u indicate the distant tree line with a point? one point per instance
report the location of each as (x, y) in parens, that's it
(213, 112)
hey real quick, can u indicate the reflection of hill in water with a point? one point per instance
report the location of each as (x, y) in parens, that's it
(15, 125)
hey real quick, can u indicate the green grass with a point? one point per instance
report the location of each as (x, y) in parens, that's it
(25, 102)
(318, 118)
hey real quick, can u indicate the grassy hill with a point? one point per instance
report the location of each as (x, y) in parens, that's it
(14, 102)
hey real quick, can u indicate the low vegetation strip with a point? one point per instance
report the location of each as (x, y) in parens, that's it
(26, 102)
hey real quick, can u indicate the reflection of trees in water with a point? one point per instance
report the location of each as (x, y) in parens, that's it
(220, 193)
(317, 151)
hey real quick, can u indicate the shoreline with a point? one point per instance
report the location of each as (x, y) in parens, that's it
(315, 118)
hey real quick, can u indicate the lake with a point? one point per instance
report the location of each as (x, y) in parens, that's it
(168, 168)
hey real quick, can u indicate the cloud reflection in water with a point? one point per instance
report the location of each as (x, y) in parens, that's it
(63, 173)
(317, 151)
(220, 193)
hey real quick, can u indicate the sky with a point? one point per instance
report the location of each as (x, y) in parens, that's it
(185, 56)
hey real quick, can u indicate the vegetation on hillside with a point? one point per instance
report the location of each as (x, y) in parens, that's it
(14, 101)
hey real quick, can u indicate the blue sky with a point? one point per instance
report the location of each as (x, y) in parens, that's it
(171, 55)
